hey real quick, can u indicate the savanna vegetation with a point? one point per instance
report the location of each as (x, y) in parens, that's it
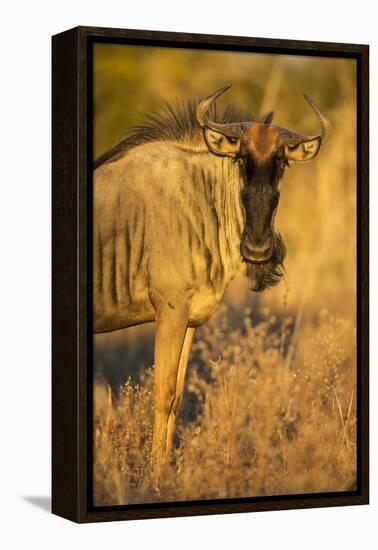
(270, 401)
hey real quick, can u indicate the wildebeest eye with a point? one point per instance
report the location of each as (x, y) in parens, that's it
(283, 163)
(241, 158)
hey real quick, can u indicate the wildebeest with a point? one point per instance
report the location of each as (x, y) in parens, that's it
(181, 206)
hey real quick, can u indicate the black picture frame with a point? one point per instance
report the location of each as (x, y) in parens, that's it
(72, 156)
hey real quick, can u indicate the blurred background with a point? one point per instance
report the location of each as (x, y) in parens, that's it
(317, 209)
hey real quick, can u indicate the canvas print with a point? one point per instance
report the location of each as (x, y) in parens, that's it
(224, 274)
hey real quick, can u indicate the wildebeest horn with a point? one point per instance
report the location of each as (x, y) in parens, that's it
(234, 129)
(293, 138)
(327, 129)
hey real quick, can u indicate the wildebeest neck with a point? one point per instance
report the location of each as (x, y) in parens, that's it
(217, 183)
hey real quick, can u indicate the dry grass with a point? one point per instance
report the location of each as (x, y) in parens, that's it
(259, 417)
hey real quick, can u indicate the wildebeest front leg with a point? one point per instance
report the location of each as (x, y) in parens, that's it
(180, 381)
(171, 327)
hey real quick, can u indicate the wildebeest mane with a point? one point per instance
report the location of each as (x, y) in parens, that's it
(175, 123)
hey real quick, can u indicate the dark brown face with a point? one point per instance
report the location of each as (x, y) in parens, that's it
(263, 163)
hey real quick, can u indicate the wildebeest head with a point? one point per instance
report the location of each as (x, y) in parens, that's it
(263, 151)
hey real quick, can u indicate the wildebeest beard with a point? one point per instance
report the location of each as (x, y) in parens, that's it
(270, 273)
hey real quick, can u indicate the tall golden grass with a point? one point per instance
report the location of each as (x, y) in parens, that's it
(270, 403)
(261, 416)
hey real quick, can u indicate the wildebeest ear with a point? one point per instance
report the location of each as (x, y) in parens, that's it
(305, 150)
(220, 144)
(267, 118)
